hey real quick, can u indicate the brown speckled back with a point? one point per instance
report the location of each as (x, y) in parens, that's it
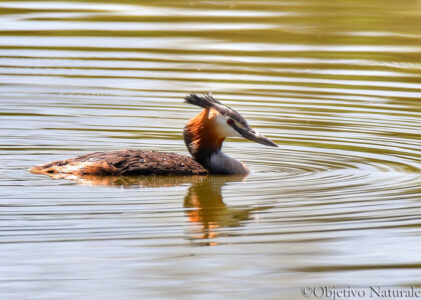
(125, 163)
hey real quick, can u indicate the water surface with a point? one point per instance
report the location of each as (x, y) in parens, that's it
(335, 83)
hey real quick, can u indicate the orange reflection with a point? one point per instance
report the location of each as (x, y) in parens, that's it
(207, 210)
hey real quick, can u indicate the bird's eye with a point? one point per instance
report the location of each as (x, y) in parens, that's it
(230, 122)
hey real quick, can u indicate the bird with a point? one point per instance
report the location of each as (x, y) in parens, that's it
(204, 135)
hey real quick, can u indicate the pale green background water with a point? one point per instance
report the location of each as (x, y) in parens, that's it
(335, 83)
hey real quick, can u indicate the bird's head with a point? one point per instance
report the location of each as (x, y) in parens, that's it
(223, 121)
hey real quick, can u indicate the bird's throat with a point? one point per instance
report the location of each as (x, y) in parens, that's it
(201, 137)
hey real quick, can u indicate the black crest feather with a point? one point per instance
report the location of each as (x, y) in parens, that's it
(205, 101)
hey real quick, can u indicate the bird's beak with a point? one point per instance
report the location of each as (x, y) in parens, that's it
(255, 136)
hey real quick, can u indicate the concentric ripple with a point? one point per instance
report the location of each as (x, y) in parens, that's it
(336, 84)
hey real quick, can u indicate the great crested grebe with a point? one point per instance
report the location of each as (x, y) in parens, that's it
(203, 135)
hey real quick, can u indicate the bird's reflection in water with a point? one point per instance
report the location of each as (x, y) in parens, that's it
(205, 207)
(207, 210)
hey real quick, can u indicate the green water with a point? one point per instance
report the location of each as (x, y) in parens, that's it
(335, 83)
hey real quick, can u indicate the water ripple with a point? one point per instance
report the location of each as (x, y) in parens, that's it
(336, 84)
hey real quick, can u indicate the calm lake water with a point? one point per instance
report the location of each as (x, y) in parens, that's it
(335, 83)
